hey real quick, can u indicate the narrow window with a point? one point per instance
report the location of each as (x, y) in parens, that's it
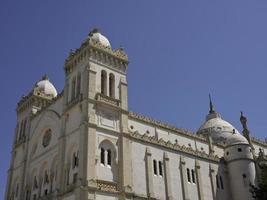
(46, 192)
(73, 160)
(188, 175)
(193, 176)
(34, 197)
(217, 182)
(46, 178)
(102, 156)
(24, 128)
(78, 90)
(160, 169)
(103, 82)
(35, 186)
(111, 85)
(73, 85)
(75, 177)
(109, 157)
(155, 167)
(17, 190)
(239, 149)
(221, 181)
(21, 129)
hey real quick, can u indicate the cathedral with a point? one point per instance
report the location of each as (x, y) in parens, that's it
(84, 144)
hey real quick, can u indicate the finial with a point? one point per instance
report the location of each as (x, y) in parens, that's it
(243, 121)
(45, 77)
(211, 105)
(95, 30)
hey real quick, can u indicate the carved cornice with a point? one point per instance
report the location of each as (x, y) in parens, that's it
(174, 146)
(258, 141)
(95, 51)
(157, 123)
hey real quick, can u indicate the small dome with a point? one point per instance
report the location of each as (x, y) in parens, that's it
(236, 139)
(46, 87)
(96, 36)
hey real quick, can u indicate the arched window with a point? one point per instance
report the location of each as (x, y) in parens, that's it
(221, 181)
(73, 87)
(188, 175)
(111, 85)
(104, 82)
(78, 90)
(193, 176)
(160, 169)
(155, 167)
(102, 156)
(75, 160)
(109, 157)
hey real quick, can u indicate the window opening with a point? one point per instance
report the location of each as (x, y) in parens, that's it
(109, 157)
(111, 85)
(155, 167)
(217, 182)
(160, 169)
(193, 176)
(221, 181)
(103, 82)
(188, 175)
(102, 156)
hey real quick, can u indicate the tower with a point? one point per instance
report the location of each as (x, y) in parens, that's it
(39, 97)
(95, 96)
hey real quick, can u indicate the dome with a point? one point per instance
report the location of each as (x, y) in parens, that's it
(46, 87)
(96, 36)
(220, 130)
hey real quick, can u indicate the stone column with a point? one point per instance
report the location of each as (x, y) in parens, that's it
(125, 145)
(149, 174)
(184, 179)
(167, 177)
(199, 181)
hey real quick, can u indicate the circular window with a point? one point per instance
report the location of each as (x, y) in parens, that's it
(47, 137)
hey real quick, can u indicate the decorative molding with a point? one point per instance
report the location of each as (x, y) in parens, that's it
(107, 186)
(107, 100)
(173, 146)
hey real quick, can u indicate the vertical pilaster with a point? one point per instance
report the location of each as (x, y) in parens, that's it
(199, 181)
(213, 181)
(89, 145)
(149, 174)
(167, 177)
(184, 179)
(125, 144)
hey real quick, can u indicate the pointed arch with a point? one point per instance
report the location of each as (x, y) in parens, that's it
(111, 85)
(104, 82)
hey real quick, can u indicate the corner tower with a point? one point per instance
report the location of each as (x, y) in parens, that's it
(96, 89)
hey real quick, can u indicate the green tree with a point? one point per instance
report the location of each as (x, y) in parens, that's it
(260, 192)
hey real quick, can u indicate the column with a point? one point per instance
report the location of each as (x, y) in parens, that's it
(149, 174)
(199, 181)
(167, 176)
(184, 179)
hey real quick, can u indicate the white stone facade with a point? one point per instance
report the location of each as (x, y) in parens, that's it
(84, 143)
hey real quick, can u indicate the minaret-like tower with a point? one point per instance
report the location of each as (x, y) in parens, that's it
(96, 86)
(40, 96)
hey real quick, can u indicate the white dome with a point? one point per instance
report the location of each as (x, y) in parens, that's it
(96, 36)
(46, 87)
(221, 130)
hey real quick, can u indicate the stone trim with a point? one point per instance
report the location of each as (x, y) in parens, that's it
(149, 174)
(199, 181)
(157, 123)
(167, 176)
(174, 146)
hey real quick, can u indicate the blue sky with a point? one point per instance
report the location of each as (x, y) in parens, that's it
(179, 52)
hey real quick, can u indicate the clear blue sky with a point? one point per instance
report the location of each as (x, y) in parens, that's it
(179, 51)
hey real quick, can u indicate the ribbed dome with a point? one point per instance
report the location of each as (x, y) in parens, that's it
(96, 36)
(46, 87)
(220, 130)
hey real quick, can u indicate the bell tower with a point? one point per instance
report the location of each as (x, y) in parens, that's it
(95, 80)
